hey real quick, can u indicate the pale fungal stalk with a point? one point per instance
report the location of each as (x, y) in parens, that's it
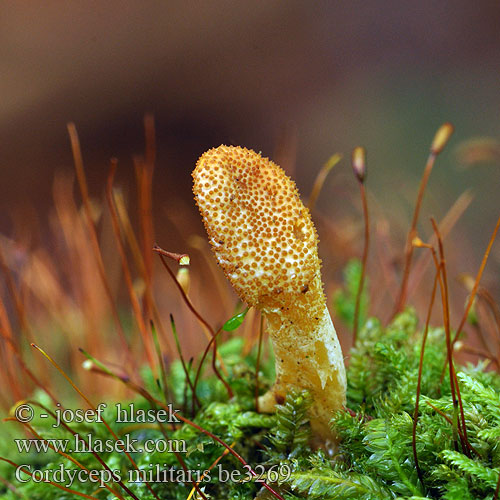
(266, 243)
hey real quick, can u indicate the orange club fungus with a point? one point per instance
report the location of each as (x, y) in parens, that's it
(266, 243)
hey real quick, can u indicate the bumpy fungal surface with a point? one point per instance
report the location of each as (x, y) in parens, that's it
(265, 241)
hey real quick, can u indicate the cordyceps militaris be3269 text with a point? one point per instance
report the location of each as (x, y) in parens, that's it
(266, 243)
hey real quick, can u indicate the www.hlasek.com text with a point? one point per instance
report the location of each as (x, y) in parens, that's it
(89, 444)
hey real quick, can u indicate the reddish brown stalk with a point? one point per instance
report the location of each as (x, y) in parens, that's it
(440, 412)
(229, 391)
(34, 378)
(145, 185)
(489, 305)
(320, 180)
(439, 270)
(485, 322)
(497, 489)
(419, 380)
(452, 216)
(186, 299)
(82, 181)
(493, 306)
(214, 463)
(86, 284)
(184, 365)
(19, 306)
(91, 405)
(144, 177)
(468, 447)
(183, 464)
(450, 421)
(359, 168)
(144, 169)
(125, 267)
(440, 139)
(18, 303)
(209, 331)
(181, 258)
(476, 283)
(128, 231)
(60, 486)
(257, 363)
(10, 377)
(5, 326)
(139, 262)
(455, 388)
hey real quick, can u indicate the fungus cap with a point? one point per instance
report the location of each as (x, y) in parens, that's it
(261, 233)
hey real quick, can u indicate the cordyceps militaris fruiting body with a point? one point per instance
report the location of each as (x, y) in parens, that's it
(266, 243)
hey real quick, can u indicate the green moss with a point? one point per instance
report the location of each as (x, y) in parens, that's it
(374, 459)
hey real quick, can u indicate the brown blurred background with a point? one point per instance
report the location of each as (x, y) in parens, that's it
(296, 80)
